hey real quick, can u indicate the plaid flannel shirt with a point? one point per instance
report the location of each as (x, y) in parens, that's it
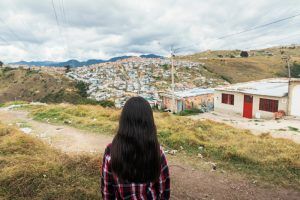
(111, 188)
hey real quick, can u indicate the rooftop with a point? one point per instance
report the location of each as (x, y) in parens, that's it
(267, 87)
(190, 93)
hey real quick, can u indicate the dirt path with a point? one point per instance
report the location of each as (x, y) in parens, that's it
(288, 127)
(187, 182)
(66, 138)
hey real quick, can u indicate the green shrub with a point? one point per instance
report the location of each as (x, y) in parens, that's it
(295, 70)
(192, 111)
(82, 88)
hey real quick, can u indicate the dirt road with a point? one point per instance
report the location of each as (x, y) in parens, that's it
(188, 181)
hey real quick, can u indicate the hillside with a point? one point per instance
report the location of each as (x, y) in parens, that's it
(33, 85)
(264, 63)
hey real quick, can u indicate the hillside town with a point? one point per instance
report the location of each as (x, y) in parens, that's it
(147, 77)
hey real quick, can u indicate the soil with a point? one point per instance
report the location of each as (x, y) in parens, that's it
(187, 181)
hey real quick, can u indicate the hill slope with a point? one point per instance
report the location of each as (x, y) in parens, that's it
(33, 85)
(265, 63)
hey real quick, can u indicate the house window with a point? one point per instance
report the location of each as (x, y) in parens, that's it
(268, 105)
(228, 99)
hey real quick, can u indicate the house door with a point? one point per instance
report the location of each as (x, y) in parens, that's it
(248, 105)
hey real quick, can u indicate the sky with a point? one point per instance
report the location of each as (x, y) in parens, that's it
(60, 30)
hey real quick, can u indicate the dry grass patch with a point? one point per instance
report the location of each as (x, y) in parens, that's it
(30, 169)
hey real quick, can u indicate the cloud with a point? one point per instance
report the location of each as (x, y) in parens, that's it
(102, 29)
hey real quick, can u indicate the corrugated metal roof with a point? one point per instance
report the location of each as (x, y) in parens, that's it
(190, 93)
(267, 87)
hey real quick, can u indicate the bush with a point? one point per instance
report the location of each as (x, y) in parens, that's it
(295, 70)
(165, 67)
(82, 88)
(192, 111)
(244, 54)
(228, 79)
(63, 96)
(30, 72)
(104, 103)
(67, 68)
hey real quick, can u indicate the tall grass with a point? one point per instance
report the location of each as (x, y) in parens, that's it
(30, 169)
(276, 160)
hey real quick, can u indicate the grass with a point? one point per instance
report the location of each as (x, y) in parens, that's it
(91, 118)
(291, 128)
(6, 104)
(30, 169)
(264, 157)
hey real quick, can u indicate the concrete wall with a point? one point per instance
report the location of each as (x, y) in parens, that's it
(236, 108)
(188, 103)
(294, 98)
(282, 105)
(239, 104)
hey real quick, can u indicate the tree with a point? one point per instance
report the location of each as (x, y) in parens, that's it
(295, 70)
(82, 88)
(244, 54)
(68, 68)
(1, 63)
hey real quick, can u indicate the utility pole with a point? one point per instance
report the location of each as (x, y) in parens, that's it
(286, 59)
(173, 51)
(289, 68)
(173, 84)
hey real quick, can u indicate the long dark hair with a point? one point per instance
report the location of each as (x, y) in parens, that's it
(135, 150)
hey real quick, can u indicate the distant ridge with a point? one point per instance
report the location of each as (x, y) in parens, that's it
(76, 63)
(151, 56)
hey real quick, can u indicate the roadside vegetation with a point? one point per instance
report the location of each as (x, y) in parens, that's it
(262, 157)
(30, 169)
(193, 111)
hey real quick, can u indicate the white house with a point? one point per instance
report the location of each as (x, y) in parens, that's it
(294, 97)
(259, 99)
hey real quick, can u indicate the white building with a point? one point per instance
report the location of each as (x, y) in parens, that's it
(294, 97)
(259, 99)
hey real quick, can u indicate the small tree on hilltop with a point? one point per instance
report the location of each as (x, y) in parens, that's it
(295, 70)
(244, 54)
(68, 68)
(1, 63)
